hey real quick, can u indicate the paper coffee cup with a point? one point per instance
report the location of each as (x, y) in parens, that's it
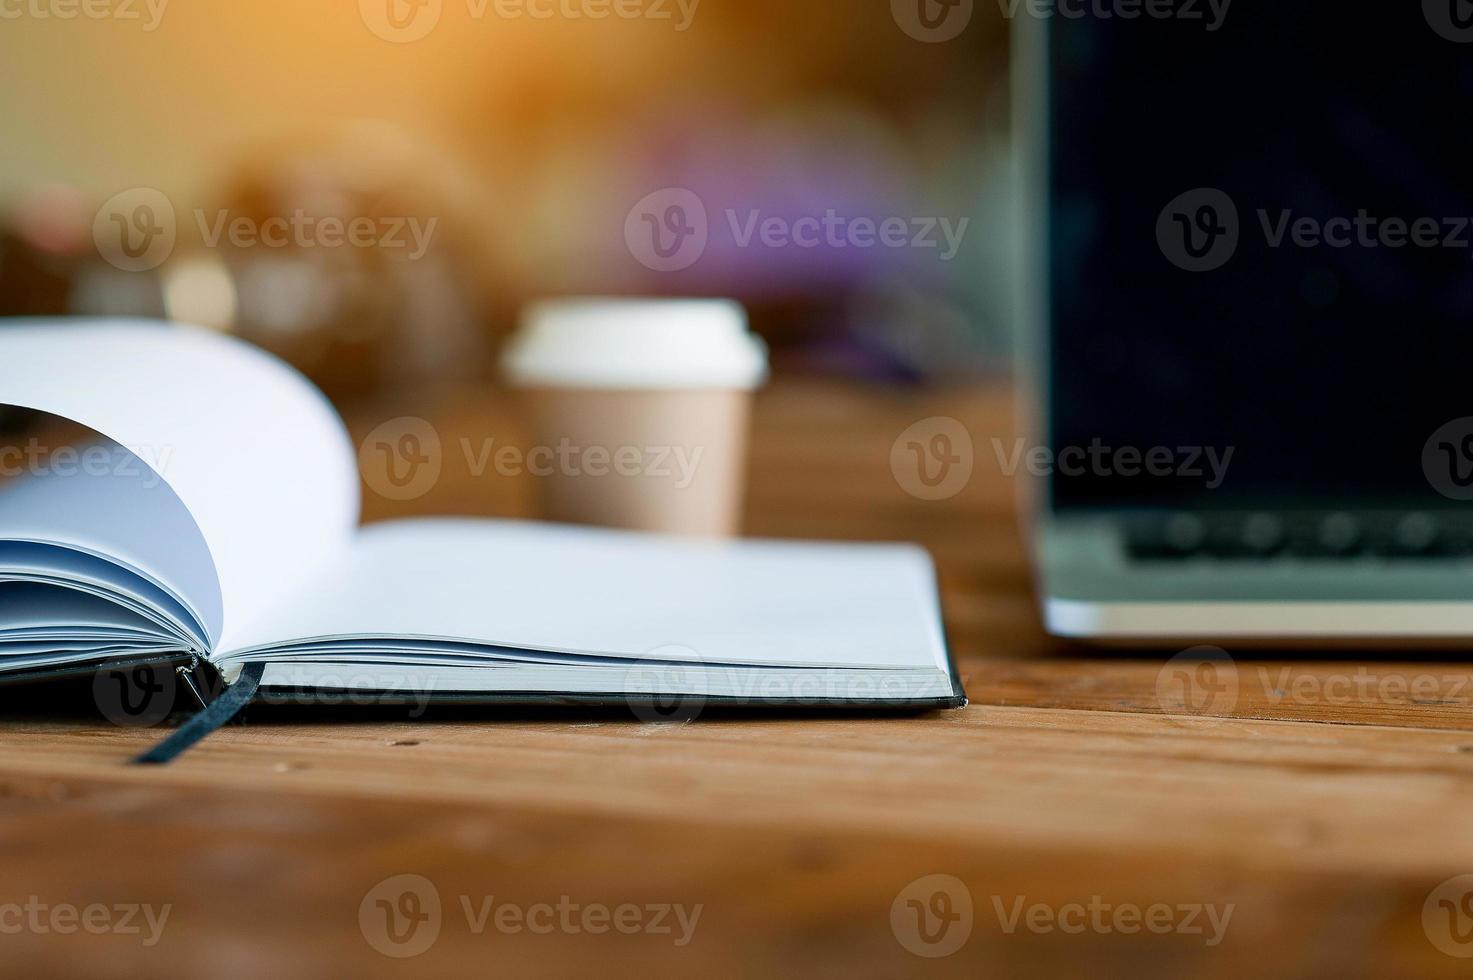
(638, 410)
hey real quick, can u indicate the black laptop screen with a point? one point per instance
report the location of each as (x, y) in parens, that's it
(1323, 334)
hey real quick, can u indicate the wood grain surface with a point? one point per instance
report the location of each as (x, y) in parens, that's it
(1310, 809)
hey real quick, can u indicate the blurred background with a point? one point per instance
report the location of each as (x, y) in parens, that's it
(432, 166)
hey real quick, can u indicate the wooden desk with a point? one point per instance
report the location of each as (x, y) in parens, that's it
(1324, 807)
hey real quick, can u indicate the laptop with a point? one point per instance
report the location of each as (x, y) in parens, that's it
(1246, 308)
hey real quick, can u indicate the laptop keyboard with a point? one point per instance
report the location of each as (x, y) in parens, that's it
(1322, 535)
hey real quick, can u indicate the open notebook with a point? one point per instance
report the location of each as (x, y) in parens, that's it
(217, 525)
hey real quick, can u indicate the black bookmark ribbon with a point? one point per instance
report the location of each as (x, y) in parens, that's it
(217, 714)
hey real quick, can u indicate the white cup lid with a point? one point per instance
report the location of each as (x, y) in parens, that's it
(635, 343)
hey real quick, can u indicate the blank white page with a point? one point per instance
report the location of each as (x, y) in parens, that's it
(126, 513)
(579, 590)
(250, 447)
